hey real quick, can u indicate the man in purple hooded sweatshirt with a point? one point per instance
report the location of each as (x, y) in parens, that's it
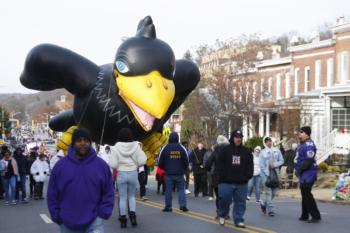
(80, 193)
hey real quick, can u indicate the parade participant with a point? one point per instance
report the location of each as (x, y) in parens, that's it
(127, 156)
(209, 174)
(80, 192)
(31, 160)
(235, 168)
(106, 154)
(143, 178)
(173, 159)
(254, 182)
(305, 168)
(9, 172)
(40, 171)
(210, 165)
(22, 171)
(188, 170)
(160, 177)
(270, 159)
(199, 173)
(59, 155)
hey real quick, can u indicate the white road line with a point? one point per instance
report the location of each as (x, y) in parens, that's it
(46, 218)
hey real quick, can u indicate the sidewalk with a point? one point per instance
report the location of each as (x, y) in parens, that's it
(322, 195)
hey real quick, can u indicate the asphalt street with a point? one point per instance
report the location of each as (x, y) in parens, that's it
(34, 218)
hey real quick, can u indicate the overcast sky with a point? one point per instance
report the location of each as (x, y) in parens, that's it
(94, 28)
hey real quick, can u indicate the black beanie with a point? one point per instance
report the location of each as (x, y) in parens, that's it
(80, 133)
(306, 129)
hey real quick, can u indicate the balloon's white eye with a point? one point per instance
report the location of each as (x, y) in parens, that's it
(122, 67)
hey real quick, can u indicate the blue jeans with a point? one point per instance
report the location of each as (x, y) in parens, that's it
(9, 187)
(180, 186)
(127, 182)
(254, 182)
(269, 195)
(21, 186)
(237, 193)
(95, 227)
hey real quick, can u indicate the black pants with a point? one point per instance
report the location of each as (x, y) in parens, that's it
(216, 190)
(187, 178)
(200, 184)
(31, 185)
(210, 185)
(143, 179)
(308, 204)
(161, 184)
(38, 190)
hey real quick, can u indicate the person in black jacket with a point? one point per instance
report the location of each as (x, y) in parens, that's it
(31, 160)
(211, 167)
(22, 164)
(199, 172)
(173, 159)
(235, 167)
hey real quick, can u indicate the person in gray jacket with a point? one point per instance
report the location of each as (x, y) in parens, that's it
(270, 158)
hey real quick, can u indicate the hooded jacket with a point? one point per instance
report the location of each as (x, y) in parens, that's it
(80, 190)
(173, 157)
(40, 170)
(234, 164)
(127, 156)
(269, 156)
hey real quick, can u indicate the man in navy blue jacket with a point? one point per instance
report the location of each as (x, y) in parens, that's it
(173, 159)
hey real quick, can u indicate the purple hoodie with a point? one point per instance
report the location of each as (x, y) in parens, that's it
(80, 191)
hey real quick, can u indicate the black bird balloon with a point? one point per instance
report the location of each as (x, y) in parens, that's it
(140, 90)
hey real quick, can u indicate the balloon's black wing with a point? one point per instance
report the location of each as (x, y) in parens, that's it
(50, 67)
(62, 121)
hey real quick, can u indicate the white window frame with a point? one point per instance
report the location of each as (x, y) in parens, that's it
(254, 91)
(262, 90)
(296, 80)
(318, 68)
(307, 79)
(287, 91)
(330, 72)
(278, 86)
(344, 67)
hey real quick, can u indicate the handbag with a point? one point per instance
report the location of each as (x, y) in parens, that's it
(272, 180)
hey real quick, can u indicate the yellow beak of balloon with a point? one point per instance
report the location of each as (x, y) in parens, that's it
(148, 96)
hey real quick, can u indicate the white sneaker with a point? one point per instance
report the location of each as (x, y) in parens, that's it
(222, 221)
(187, 192)
(144, 198)
(240, 225)
(210, 198)
(248, 198)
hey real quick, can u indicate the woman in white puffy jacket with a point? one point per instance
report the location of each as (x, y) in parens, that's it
(40, 171)
(127, 156)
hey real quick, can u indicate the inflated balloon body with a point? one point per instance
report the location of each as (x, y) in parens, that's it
(140, 90)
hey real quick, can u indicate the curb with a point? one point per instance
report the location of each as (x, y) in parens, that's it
(338, 202)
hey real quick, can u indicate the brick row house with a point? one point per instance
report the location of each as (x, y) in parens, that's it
(309, 87)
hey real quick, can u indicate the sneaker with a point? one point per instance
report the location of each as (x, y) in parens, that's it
(13, 203)
(7, 203)
(257, 202)
(184, 209)
(187, 192)
(248, 198)
(144, 198)
(167, 209)
(210, 198)
(271, 214)
(240, 225)
(263, 208)
(222, 221)
(227, 217)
